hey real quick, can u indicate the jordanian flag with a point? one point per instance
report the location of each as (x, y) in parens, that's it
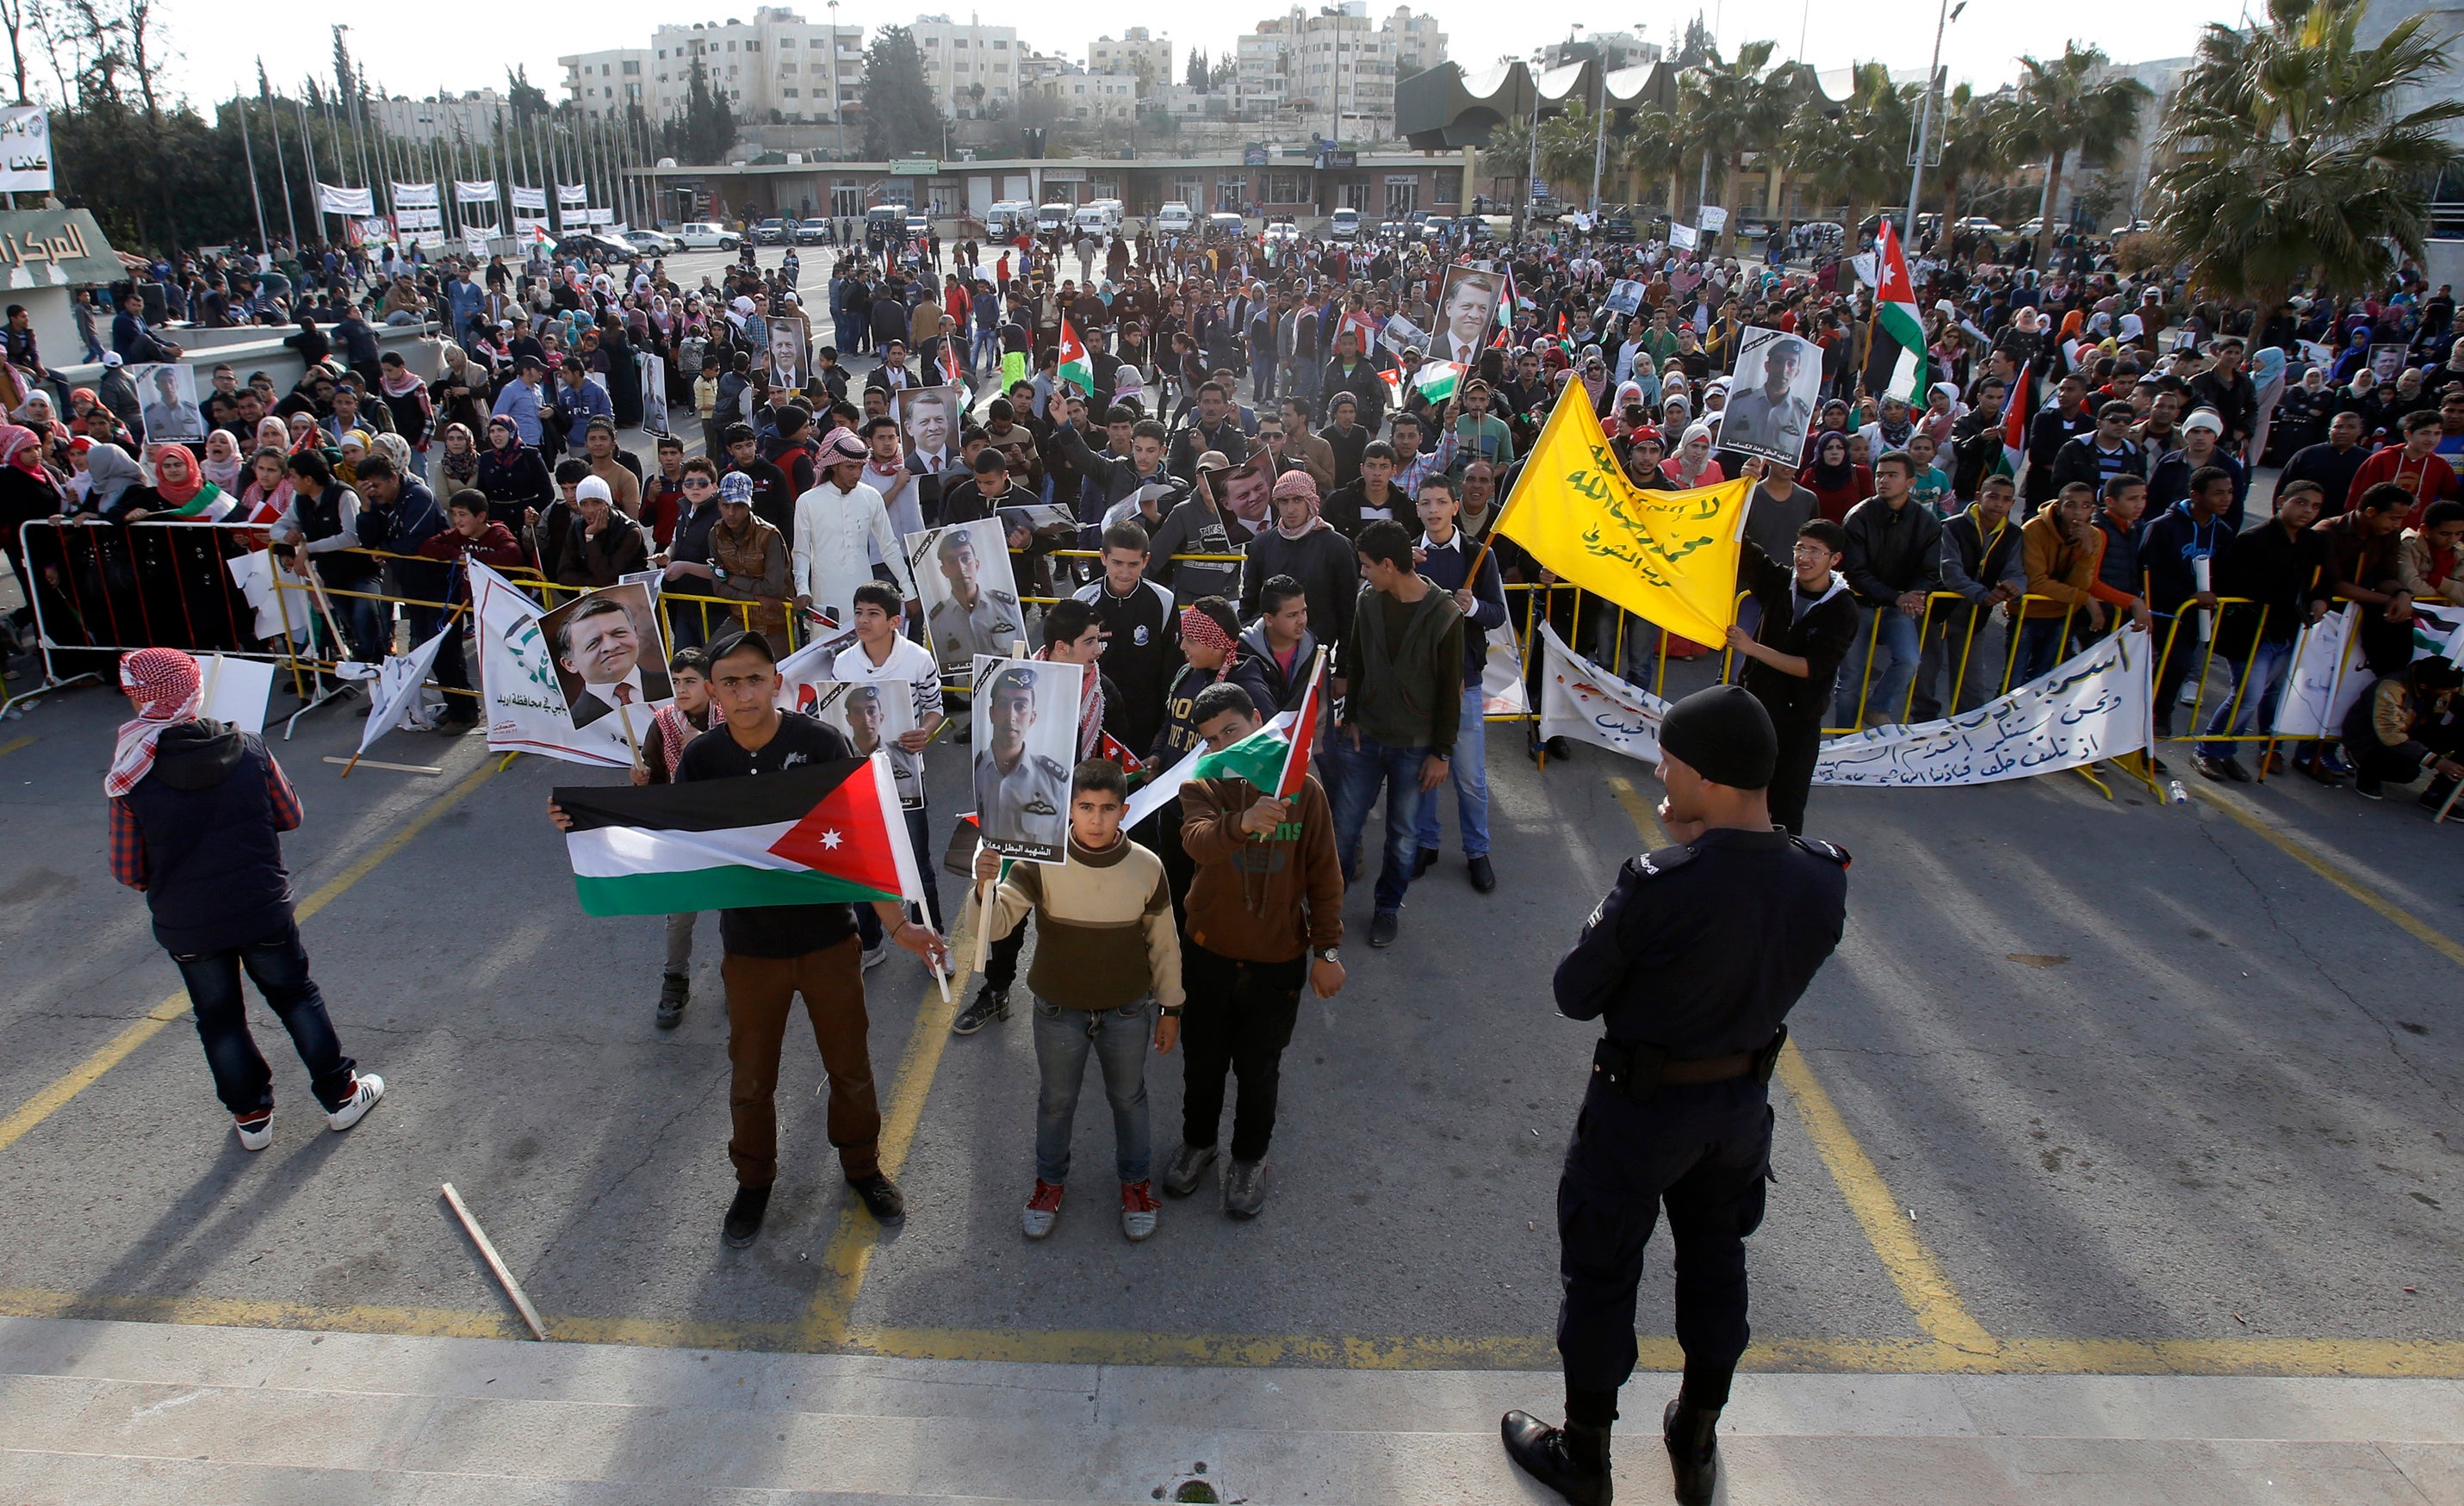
(1899, 332)
(1276, 756)
(1075, 368)
(1435, 381)
(816, 834)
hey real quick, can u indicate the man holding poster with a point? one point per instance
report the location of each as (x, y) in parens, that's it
(1023, 757)
(1774, 389)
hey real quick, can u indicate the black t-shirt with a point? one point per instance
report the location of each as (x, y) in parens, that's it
(773, 930)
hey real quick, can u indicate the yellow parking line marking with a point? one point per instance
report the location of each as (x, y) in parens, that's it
(848, 1255)
(2360, 1358)
(2411, 925)
(16, 743)
(43, 1104)
(1922, 1283)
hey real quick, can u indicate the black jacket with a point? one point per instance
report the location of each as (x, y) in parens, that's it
(1322, 561)
(1821, 635)
(2077, 460)
(2283, 572)
(1891, 553)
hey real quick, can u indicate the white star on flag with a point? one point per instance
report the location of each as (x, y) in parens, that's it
(830, 840)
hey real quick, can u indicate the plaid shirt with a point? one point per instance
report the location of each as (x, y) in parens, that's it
(128, 839)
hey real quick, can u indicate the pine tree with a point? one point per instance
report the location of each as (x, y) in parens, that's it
(899, 112)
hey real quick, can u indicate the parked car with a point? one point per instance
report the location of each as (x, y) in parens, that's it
(705, 235)
(1174, 219)
(2130, 227)
(1434, 227)
(816, 233)
(1344, 225)
(1975, 224)
(654, 243)
(918, 226)
(591, 246)
(1227, 227)
(1283, 233)
(770, 232)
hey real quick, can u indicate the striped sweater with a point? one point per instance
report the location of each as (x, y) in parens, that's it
(1104, 932)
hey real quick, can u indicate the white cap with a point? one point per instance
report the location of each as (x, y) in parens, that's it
(743, 305)
(593, 486)
(2206, 419)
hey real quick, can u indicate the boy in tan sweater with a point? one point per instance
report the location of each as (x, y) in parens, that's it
(1106, 954)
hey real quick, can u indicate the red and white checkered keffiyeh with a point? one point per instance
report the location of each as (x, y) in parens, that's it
(165, 685)
(1197, 627)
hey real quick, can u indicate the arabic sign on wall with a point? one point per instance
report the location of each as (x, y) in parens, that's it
(54, 248)
(24, 149)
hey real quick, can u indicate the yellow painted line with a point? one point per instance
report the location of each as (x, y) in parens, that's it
(2405, 920)
(850, 1252)
(1922, 1283)
(2364, 1357)
(43, 1104)
(16, 743)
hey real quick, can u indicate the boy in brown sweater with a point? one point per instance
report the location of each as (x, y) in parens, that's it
(1106, 955)
(1265, 909)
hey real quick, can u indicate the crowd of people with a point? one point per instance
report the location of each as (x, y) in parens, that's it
(1243, 464)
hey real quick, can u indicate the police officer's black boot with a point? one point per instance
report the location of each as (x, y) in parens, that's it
(1693, 1450)
(1573, 1460)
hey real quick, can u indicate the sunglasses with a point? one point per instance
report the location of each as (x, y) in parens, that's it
(696, 482)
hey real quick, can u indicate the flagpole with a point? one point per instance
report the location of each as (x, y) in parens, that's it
(1505, 508)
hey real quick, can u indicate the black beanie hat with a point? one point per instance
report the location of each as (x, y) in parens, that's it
(1725, 735)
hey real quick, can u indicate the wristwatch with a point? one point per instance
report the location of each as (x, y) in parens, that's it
(1327, 954)
(1173, 1013)
(718, 572)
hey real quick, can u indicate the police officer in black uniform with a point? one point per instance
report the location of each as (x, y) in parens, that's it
(1691, 964)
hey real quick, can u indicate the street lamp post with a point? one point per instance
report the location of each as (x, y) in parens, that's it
(1924, 122)
(838, 100)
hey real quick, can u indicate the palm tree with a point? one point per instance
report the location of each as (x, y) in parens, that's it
(1854, 153)
(2061, 109)
(2294, 155)
(1654, 149)
(1732, 107)
(1975, 137)
(1567, 142)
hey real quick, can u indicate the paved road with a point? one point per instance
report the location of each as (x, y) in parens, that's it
(2092, 1085)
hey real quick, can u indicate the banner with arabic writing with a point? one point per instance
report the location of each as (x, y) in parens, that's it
(2095, 705)
(24, 149)
(1667, 557)
(331, 200)
(483, 191)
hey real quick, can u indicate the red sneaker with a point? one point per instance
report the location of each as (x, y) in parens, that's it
(1042, 1210)
(1138, 1207)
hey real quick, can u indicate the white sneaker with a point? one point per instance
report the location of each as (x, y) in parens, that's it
(874, 956)
(367, 1088)
(256, 1139)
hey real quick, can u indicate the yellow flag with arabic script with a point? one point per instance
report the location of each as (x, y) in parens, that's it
(1667, 557)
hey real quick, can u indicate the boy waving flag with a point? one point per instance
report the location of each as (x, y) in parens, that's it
(1074, 368)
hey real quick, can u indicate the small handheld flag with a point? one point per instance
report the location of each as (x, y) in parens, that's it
(1074, 368)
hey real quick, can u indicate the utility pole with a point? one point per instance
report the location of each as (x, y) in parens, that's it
(1925, 123)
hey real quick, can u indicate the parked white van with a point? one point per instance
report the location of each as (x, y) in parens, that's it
(1174, 219)
(1103, 217)
(1052, 217)
(1005, 219)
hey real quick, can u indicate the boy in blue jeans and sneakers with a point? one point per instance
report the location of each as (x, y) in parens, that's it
(1107, 957)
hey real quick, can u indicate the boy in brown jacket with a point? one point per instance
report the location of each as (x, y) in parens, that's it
(1265, 909)
(2062, 548)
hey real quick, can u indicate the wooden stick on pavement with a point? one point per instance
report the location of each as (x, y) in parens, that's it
(495, 1263)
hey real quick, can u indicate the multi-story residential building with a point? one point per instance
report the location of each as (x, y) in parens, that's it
(1334, 65)
(1081, 94)
(1149, 58)
(780, 62)
(470, 116)
(970, 68)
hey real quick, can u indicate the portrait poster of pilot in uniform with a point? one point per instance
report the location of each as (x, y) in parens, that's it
(1773, 396)
(970, 595)
(1025, 739)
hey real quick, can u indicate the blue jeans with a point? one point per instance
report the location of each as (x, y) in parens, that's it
(1118, 1039)
(2040, 649)
(278, 966)
(1472, 783)
(1895, 658)
(1358, 773)
(2267, 666)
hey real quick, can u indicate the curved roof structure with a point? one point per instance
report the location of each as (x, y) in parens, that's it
(1445, 107)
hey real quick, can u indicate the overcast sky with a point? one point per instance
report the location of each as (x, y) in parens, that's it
(414, 50)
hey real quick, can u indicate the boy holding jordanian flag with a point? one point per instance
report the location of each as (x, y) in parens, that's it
(1265, 911)
(774, 822)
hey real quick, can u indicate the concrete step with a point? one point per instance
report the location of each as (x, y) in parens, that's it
(131, 1412)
